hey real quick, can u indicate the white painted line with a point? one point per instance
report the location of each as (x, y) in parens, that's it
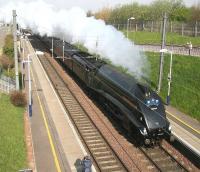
(186, 143)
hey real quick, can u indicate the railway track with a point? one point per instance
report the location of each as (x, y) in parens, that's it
(103, 155)
(105, 158)
(162, 159)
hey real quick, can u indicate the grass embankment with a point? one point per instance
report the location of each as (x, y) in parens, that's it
(12, 144)
(143, 37)
(185, 90)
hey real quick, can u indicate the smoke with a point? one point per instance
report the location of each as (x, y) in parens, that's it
(75, 26)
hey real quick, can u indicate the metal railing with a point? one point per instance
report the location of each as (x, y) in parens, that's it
(7, 84)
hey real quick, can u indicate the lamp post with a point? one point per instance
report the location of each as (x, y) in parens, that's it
(131, 18)
(29, 85)
(169, 78)
(29, 81)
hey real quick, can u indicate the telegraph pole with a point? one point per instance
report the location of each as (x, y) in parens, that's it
(162, 54)
(63, 48)
(15, 49)
(52, 47)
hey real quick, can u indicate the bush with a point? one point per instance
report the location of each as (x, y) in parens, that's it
(6, 62)
(18, 98)
(8, 48)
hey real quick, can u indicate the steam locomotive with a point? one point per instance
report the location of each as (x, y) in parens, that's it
(139, 109)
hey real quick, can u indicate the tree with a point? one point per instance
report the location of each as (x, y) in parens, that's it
(174, 9)
(8, 48)
(195, 13)
(104, 14)
(6, 62)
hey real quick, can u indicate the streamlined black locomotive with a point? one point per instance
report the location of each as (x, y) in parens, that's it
(140, 109)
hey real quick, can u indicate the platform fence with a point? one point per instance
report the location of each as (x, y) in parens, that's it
(7, 84)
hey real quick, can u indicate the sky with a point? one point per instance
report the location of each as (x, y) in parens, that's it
(95, 5)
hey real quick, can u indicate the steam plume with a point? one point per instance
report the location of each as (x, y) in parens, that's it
(75, 26)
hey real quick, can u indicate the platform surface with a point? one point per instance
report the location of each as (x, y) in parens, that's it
(185, 128)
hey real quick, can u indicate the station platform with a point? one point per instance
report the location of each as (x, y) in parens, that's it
(185, 128)
(56, 144)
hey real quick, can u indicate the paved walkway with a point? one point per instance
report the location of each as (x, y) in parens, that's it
(175, 49)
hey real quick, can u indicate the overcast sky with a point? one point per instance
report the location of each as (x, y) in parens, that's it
(94, 5)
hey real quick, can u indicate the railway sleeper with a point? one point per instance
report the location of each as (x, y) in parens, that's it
(111, 168)
(102, 153)
(83, 124)
(67, 100)
(72, 107)
(82, 127)
(85, 134)
(88, 131)
(93, 132)
(110, 162)
(96, 144)
(63, 90)
(93, 137)
(77, 114)
(81, 120)
(99, 149)
(110, 156)
(95, 141)
(77, 117)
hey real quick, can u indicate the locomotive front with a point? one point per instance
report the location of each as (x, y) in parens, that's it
(153, 115)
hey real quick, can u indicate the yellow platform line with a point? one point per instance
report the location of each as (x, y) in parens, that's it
(183, 122)
(47, 129)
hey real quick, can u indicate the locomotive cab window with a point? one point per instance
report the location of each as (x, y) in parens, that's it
(148, 98)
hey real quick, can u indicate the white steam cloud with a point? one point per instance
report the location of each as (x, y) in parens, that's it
(75, 26)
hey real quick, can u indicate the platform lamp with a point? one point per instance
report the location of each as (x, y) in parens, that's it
(131, 18)
(29, 80)
(169, 78)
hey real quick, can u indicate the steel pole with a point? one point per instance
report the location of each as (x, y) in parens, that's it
(63, 49)
(162, 54)
(29, 90)
(127, 28)
(52, 46)
(15, 49)
(23, 63)
(169, 79)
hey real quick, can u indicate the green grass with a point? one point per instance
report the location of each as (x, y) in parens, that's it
(143, 37)
(12, 144)
(185, 89)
